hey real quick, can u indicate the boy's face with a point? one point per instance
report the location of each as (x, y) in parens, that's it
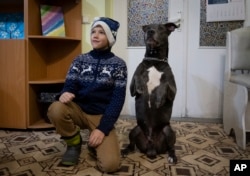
(99, 39)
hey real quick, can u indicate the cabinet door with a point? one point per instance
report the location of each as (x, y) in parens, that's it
(12, 84)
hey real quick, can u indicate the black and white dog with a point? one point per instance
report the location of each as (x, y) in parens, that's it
(154, 88)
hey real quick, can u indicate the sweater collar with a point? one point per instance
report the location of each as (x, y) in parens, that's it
(101, 54)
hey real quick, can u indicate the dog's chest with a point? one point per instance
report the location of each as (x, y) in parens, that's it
(154, 79)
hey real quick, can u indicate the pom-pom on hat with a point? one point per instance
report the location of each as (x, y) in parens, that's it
(110, 27)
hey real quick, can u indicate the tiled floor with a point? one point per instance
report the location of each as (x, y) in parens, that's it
(201, 148)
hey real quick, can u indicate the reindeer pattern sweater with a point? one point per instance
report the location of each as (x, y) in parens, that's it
(98, 80)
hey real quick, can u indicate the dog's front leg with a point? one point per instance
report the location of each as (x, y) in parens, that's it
(133, 136)
(171, 139)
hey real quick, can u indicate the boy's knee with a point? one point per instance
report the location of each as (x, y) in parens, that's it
(109, 166)
(55, 110)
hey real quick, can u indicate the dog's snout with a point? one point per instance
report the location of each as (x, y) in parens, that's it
(151, 32)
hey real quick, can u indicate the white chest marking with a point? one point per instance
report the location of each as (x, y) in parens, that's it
(154, 77)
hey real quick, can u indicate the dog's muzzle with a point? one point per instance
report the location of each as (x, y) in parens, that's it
(150, 39)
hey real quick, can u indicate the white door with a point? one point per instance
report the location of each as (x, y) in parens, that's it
(177, 55)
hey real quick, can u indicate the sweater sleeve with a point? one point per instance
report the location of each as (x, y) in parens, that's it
(71, 82)
(113, 110)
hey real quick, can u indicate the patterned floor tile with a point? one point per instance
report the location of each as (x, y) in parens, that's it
(201, 149)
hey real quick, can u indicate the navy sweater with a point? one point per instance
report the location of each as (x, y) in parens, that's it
(98, 79)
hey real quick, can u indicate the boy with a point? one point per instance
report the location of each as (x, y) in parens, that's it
(92, 97)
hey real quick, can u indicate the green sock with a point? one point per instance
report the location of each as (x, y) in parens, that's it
(74, 140)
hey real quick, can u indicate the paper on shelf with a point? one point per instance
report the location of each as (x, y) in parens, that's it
(52, 20)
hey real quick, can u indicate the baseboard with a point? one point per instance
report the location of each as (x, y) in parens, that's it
(199, 120)
(185, 119)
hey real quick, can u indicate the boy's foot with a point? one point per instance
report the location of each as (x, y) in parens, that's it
(71, 155)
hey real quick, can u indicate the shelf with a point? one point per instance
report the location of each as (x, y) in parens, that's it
(11, 6)
(41, 62)
(10, 2)
(46, 81)
(41, 124)
(39, 37)
(8, 40)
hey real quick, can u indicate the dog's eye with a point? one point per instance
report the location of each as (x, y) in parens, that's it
(161, 28)
(145, 28)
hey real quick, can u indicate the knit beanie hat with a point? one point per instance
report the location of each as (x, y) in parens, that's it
(110, 27)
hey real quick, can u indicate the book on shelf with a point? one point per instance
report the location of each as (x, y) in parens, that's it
(52, 20)
(11, 25)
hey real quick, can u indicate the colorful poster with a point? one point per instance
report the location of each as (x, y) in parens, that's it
(52, 21)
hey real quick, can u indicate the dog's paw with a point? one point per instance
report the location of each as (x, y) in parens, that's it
(125, 152)
(151, 154)
(172, 159)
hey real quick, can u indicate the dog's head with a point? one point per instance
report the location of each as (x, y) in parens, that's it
(156, 39)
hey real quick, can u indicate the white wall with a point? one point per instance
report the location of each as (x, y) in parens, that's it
(205, 70)
(204, 88)
(247, 21)
(90, 10)
(198, 71)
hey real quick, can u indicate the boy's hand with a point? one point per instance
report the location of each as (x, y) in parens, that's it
(66, 97)
(96, 138)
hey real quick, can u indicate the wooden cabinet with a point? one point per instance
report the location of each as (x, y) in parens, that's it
(12, 84)
(36, 63)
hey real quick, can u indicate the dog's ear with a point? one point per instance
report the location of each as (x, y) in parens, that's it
(144, 28)
(170, 27)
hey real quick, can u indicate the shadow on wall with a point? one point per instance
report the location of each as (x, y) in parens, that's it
(204, 89)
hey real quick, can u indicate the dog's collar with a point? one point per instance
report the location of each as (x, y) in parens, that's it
(156, 59)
